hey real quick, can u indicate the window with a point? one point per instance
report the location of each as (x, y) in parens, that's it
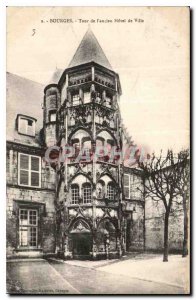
(86, 147)
(110, 191)
(127, 185)
(108, 100)
(52, 116)
(76, 99)
(98, 97)
(132, 186)
(74, 194)
(28, 227)
(29, 170)
(26, 125)
(87, 194)
(87, 97)
(136, 187)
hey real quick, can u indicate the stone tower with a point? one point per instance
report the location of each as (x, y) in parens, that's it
(89, 182)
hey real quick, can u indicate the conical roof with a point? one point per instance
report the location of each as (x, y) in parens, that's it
(56, 76)
(89, 50)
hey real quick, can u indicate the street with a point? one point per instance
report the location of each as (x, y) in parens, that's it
(76, 277)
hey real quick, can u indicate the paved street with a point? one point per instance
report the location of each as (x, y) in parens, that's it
(74, 277)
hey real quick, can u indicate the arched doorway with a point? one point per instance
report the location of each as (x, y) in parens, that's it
(81, 240)
(106, 238)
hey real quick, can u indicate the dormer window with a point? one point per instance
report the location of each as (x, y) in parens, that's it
(26, 125)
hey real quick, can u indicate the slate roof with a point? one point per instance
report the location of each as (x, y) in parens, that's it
(89, 50)
(23, 97)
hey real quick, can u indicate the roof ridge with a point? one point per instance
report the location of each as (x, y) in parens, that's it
(7, 72)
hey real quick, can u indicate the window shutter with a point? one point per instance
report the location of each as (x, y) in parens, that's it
(22, 125)
(126, 180)
(30, 129)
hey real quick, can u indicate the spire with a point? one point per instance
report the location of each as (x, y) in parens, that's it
(89, 50)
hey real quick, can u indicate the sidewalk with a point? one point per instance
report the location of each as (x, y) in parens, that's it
(91, 264)
(174, 272)
(144, 266)
(104, 262)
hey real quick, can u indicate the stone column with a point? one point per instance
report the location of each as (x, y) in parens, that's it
(93, 73)
(81, 95)
(69, 97)
(94, 247)
(119, 248)
(66, 247)
(107, 246)
(104, 95)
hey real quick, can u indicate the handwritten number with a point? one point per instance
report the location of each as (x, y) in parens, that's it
(33, 32)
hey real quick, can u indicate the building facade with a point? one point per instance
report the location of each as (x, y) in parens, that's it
(30, 206)
(82, 111)
(88, 204)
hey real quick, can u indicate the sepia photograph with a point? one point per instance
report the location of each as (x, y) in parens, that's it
(98, 150)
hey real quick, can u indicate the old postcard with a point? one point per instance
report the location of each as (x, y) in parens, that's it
(98, 150)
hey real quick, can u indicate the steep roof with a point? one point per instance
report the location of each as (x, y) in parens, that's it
(25, 97)
(56, 76)
(89, 50)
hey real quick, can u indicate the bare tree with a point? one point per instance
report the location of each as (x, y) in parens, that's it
(183, 190)
(160, 182)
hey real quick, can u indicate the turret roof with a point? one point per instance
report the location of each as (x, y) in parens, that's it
(89, 50)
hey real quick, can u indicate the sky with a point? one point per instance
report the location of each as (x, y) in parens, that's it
(151, 58)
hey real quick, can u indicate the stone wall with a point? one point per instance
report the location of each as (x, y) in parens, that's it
(135, 228)
(154, 226)
(42, 199)
(47, 226)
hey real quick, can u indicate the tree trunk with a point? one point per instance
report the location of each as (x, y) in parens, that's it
(185, 240)
(166, 236)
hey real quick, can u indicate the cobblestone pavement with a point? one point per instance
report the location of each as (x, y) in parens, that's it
(56, 277)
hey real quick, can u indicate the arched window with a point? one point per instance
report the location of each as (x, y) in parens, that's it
(87, 192)
(74, 194)
(86, 143)
(111, 191)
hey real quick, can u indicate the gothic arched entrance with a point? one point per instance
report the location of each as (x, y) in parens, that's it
(106, 237)
(81, 240)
